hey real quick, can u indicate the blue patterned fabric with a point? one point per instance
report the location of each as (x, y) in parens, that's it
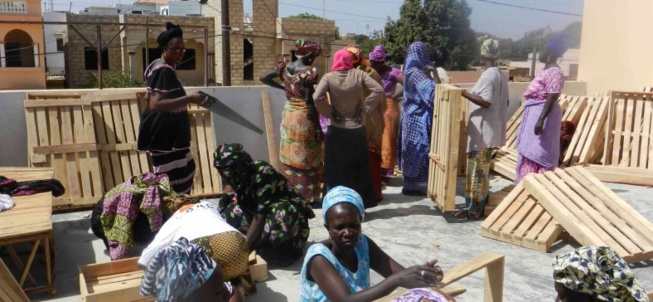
(342, 194)
(177, 271)
(417, 116)
(356, 281)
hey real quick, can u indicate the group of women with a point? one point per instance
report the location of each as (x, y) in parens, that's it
(201, 251)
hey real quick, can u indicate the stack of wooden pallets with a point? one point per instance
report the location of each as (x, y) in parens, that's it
(91, 142)
(572, 199)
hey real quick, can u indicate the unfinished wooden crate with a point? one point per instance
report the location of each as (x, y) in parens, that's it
(118, 280)
(445, 135)
(258, 267)
(207, 179)
(116, 119)
(60, 134)
(590, 212)
(519, 219)
(628, 148)
(586, 143)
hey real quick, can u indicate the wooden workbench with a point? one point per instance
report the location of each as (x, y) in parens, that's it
(29, 222)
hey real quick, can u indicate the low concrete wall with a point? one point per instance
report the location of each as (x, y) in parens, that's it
(244, 100)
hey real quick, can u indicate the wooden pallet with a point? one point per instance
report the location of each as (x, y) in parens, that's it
(519, 219)
(116, 118)
(626, 175)
(60, 135)
(586, 143)
(512, 127)
(207, 179)
(445, 135)
(505, 162)
(590, 212)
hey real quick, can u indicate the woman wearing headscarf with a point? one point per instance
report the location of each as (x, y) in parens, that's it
(486, 130)
(374, 123)
(301, 134)
(593, 274)
(417, 117)
(263, 205)
(184, 271)
(202, 224)
(538, 139)
(390, 77)
(338, 269)
(346, 157)
(164, 131)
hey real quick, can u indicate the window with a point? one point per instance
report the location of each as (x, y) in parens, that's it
(90, 58)
(19, 49)
(59, 42)
(187, 63)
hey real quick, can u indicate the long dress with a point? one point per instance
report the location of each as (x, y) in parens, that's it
(417, 117)
(540, 153)
(286, 212)
(374, 125)
(390, 79)
(166, 135)
(300, 153)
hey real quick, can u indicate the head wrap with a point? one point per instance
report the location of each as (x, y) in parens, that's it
(176, 271)
(307, 48)
(419, 87)
(417, 56)
(599, 272)
(233, 163)
(490, 49)
(378, 54)
(421, 295)
(356, 56)
(342, 60)
(558, 44)
(172, 31)
(342, 194)
(567, 129)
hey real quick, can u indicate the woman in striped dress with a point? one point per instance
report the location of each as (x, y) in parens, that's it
(164, 131)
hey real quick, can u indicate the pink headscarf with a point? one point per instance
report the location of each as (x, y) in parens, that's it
(342, 61)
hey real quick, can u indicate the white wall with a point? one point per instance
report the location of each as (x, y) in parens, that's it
(185, 8)
(54, 61)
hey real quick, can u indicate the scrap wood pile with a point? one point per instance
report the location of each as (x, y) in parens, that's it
(90, 139)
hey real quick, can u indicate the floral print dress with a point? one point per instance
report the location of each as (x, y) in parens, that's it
(286, 212)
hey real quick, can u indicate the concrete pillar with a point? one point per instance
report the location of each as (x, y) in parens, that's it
(37, 58)
(3, 61)
(131, 64)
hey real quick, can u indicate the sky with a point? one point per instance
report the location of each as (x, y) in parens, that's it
(365, 16)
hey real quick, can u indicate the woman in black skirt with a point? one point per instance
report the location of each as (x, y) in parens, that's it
(165, 126)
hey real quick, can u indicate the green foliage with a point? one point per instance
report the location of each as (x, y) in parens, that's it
(306, 16)
(115, 79)
(439, 23)
(367, 43)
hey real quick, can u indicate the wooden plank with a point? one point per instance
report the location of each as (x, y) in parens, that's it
(638, 120)
(10, 291)
(197, 180)
(101, 137)
(56, 103)
(618, 129)
(623, 175)
(71, 173)
(111, 140)
(510, 211)
(273, 148)
(83, 157)
(205, 167)
(627, 132)
(119, 132)
(645, 137)
(592, 139)
(130, 135)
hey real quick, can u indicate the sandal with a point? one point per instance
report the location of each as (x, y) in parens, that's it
(474, 217)
(461, 214)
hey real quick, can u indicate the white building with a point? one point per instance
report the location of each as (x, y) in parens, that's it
(55, 39)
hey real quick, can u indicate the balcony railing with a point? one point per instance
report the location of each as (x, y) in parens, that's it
(13, 7)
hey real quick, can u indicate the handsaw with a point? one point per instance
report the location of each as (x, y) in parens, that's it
(215, 105)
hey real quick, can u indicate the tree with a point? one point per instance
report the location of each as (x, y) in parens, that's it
(439, 23)
(367, 43)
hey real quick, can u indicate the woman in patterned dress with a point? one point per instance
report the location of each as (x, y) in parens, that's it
(263, 205)
(301, 134)
(538, 139)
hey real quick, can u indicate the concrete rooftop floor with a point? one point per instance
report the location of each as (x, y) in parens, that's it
(409, 229)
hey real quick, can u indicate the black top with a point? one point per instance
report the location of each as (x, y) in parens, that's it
(164, 130)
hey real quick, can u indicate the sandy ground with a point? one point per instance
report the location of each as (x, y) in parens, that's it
(409, 229)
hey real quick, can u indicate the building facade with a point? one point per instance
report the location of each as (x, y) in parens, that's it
(56, 37)
(22, 63)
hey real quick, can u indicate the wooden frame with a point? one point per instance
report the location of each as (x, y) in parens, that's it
(505, 162)
(207, 180)
(112, 281)
(445, 135)
(586, 143)
(494, 265)
(10, 291)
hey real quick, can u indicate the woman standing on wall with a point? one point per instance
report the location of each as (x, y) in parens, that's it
(301, 135)
(164, 131)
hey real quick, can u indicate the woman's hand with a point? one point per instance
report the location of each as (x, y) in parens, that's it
(438, 270)
(538, 127)
(417, 276)
(197, 98)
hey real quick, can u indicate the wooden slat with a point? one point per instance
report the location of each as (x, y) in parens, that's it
(273, 148)
(10, 291)
(623, 175)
